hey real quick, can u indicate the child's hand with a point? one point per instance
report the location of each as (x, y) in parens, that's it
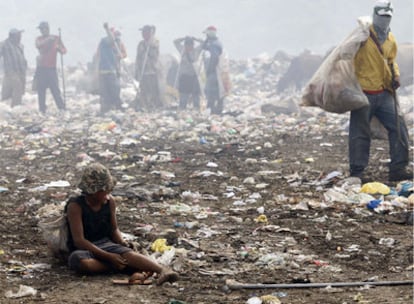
(118, 261)
(130, 244)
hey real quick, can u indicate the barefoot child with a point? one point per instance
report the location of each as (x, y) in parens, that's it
(95, 242)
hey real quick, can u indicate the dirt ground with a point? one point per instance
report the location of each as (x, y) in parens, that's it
(226, 242)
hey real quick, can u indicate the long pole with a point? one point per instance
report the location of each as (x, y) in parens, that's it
(234, 285)
(396, 106)
(144, 63)
(119, 53)
(63, 72)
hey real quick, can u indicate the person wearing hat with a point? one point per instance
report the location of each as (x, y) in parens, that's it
(147, 71)
(213, 87)
(15, 66)
(110, 52)
(95, 241)
(378, 75)
(188, 70)
(46, 73)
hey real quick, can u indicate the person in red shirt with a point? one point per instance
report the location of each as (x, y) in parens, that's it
(46, 73)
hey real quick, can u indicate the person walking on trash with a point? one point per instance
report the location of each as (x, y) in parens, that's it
(188, 71)
(95, 241)
(46, 73)
(15, 66)
(378, 74)
(214, 88)
(110, 52)
(147, 70)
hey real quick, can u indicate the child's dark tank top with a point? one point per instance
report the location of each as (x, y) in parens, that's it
(96, 225)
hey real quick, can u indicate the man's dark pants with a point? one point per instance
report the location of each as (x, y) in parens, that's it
(382, 106)
(47, 78)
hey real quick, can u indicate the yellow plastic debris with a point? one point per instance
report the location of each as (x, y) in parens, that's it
(359, 298)
(160, 245)
(262, 218)
(375, 188)
(269, 299)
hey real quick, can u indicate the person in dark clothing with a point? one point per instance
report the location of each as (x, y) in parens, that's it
(46, 73)
(15, 66)
(110, 52)
(95, 241)
(187, 72)
(213, 88)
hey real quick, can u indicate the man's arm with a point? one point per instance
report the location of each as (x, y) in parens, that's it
(122, 49)
(179, 44)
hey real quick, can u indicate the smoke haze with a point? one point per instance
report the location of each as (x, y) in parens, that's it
(247, 28)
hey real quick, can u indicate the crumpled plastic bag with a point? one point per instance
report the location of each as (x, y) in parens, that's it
(165, 258)
(160, 245)
(270, 299)
(375, 188)
(24, 291)
(334, 87)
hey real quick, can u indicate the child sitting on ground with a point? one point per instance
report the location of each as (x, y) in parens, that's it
(95, 241)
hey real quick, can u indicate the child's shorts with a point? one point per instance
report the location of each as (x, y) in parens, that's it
(105, 244)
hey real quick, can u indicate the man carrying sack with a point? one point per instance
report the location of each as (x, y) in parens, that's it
(378, 75)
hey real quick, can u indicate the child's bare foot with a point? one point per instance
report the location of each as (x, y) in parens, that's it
(140, 276)
(167, 275)
(137, 276)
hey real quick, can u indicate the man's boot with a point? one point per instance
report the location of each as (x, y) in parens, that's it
(400, 174)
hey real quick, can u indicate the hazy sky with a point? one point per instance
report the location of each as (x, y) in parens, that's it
(247, 28)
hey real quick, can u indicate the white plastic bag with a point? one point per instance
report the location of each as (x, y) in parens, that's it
(24, 291)
(334, 86)
(55, 232)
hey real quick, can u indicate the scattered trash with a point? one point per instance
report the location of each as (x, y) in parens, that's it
(254, 300)
(405, 189)
(270, 299)
(214, 207)
(375, 188)
(160, 245)
(24, 291)
(262, 218)
(389, 242)
(374, 204)
(173, 301)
